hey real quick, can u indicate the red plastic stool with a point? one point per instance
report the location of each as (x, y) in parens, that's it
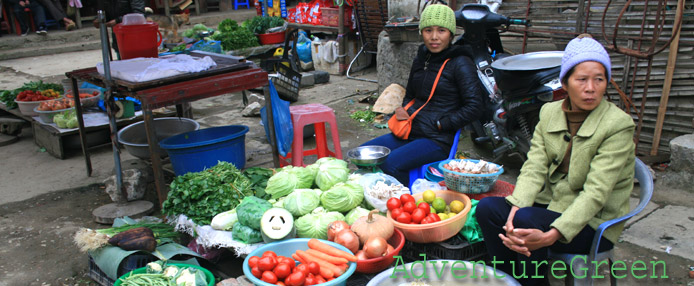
(316, 114)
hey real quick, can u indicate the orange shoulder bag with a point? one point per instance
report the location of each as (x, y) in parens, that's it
(401, 123)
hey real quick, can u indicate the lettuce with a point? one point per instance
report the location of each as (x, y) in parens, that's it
(342, 197)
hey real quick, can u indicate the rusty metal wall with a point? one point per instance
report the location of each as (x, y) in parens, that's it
(644, 28)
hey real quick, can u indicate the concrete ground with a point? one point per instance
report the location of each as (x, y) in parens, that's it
(44, 200)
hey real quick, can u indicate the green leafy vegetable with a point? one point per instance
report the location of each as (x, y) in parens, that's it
(202, 195)
(227, 25)
(354, 214)
(342, 197)
(260, 24)
(246, 234)
(251, 210)
(315, 224)
(234, 37)
(302, 201)
(330, 172)
(258, 177)
(8, 96)
(282, 184)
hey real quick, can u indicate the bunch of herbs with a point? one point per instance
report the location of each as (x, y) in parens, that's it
(202, 195)
(233, 37)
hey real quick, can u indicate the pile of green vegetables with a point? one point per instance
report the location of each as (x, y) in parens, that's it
(8, 96)
(197, 29)
(260, 24)
(202, 195)
(234, 37)
(66, 119)
(158, 273)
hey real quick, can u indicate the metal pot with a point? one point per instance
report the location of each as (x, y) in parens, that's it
(134, 136)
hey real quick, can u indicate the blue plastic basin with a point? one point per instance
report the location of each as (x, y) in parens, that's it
(201, 149)
(286, 248)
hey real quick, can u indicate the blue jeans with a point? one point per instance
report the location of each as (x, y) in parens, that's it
(407, 154)
(492, 213)
(36, 10)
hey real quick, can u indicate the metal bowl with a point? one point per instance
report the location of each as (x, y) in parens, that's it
(368, 155)
(134, 136)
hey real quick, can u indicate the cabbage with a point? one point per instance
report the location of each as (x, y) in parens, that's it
(354, 214)
(304, 175)
(301, 202)
(315, 224)
(342, 197)
(225, 220)
(281, 184)
(330, 172)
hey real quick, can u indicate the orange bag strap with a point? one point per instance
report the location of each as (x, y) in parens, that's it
(433, 88)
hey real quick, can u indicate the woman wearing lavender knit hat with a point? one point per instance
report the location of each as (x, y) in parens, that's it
(579, 173)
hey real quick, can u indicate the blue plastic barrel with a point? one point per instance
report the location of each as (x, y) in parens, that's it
(202, 149)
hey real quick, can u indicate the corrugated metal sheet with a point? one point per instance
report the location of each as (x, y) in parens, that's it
(554, 23)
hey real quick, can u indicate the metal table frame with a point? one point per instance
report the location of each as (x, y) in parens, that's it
(178, 90)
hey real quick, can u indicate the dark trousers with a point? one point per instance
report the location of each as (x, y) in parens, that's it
(55, 8)
(406, 155)
(36, 9)
(492, 213)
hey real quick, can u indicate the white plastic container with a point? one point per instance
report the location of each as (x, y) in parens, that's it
(133, 19)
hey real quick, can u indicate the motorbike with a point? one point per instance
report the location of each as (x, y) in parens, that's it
(517, 85)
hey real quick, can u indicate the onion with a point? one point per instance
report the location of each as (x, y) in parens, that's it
(335, 227)
(361, 255)
(348, 239)
(375, 247)
(389, 249)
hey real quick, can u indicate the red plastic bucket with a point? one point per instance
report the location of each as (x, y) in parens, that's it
(271, 38)
(136, 41)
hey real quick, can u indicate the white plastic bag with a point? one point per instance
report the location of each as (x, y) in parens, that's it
(421, 185)
(378, 199)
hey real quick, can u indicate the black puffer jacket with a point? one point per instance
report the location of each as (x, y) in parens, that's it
(457, 99)
(116, 9)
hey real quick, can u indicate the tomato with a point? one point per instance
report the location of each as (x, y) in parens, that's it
(434, 217)
(424, 206)
(280, 283)
(267, 263)
(282, 270)
(269, 277)
(417, 215)
(426, 220)
(393, 203)
(256, 272)
(310, 280)
(303, 268)
(253, 261)
(295, 279)
(396, 212)
(320, 279)
(269, 253)
(404, 198)
(404, 217)
(314, 268)
(286, 260)
(408, 207)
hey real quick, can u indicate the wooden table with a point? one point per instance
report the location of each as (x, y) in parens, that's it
(228, 76)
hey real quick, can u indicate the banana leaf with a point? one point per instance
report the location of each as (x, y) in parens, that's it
(109, 258)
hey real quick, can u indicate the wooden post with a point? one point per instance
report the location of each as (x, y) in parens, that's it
(342, 39)
(669, 72)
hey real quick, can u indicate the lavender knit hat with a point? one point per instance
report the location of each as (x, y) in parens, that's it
(583, 49)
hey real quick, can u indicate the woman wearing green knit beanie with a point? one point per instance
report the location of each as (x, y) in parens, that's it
(437, 26)
(456, 99)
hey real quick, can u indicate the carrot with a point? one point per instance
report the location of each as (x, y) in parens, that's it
(327, 249)
(298, 258)
(342, 266)
(326, 273)
(327, 257)
(336, 271)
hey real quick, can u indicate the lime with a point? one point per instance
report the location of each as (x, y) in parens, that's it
(443, 216)
(418, 202)
(439, 205)
(429, 196)
(457, 206)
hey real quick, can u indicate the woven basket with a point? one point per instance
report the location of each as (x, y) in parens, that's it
(469, 183)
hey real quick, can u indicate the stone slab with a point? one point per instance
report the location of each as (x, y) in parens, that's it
(307, 79)
(320, 77)
(671, 226)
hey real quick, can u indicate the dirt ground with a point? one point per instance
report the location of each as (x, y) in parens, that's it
(38, 246)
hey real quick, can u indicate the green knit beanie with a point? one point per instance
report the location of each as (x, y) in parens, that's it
(438, 15)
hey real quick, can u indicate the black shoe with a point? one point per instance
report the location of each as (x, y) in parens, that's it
(42, 31)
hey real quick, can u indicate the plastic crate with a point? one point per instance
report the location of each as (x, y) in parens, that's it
(399, 32)
(330, 16)
(287, 82)
(455, 248)
(130, 263)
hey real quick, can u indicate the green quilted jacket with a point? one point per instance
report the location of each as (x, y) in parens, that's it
(601, 170)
